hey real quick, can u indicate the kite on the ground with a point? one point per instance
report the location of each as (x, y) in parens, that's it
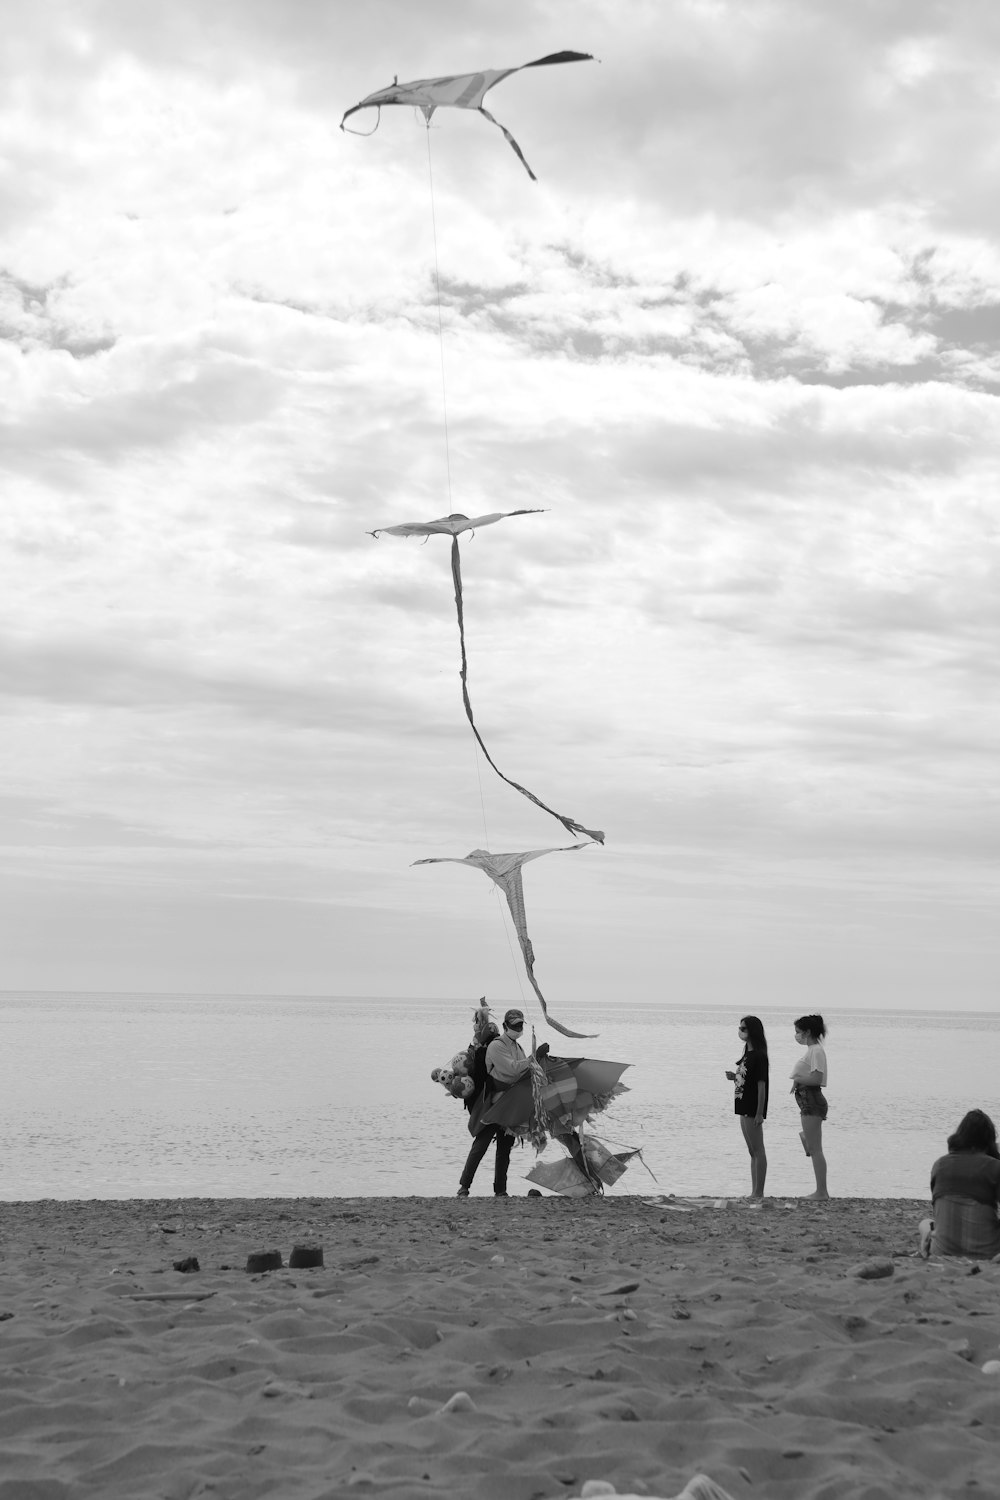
(505, 871)
(453, 526)
(584, 1171)
(459, 91)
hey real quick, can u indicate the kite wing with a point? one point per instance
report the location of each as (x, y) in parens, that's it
(566, 1177)
(459, 91)
(505, 871)
(563, 1177)
(588, 1079)
(452, 526)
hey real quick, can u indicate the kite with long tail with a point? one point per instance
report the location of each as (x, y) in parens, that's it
(453, 526)
(458, 91)
(505, 871)
(467, 91)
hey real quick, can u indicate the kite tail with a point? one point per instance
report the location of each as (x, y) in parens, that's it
(537, 1133)
(350, 130)
(515, 901)
(551, 1020)
(570, 824)
(510, 139)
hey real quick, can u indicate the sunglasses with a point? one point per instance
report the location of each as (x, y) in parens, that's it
(515, 1025)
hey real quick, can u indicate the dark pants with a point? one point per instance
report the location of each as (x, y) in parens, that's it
(480, 1146)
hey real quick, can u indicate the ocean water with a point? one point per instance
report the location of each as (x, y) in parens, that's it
(175, 1096)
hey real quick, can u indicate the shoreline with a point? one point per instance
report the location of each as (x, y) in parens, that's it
(636, 1341)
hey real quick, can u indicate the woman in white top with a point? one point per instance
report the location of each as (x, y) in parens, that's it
(808, 1081)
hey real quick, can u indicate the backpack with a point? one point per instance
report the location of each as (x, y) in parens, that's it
(478, 1073)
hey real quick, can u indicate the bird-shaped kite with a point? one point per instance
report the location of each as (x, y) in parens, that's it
(459, 91)
(505, 871)
(453, 526)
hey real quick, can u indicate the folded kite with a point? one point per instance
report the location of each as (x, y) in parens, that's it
(457, 91)
(505, 871)
(453, 526)
(591, 1082)
(565, 1176)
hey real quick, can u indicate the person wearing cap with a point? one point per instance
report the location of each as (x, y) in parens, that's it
(505, 1064)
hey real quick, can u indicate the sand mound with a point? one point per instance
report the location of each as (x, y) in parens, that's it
(510, 1350)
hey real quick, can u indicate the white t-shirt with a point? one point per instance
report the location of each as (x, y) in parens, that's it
(813, 1060)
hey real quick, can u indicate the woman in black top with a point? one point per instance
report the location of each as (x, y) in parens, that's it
(751, 1082)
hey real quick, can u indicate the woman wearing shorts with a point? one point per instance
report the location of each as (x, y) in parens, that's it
(808, 1082)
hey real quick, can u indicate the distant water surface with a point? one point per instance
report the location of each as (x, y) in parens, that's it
(168, 1096)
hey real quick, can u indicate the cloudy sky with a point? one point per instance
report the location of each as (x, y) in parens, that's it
(739, 343)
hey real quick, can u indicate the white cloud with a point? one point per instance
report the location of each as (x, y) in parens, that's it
(739, 343)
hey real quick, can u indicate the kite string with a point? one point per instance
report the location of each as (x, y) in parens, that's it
(447, 442)
(437, 289)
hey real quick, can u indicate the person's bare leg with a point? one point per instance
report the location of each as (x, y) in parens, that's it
(761, 1164)
(925, 1229)
(753, 1134)
(812, 1129)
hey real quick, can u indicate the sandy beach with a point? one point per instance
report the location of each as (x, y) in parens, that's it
(621, 1340)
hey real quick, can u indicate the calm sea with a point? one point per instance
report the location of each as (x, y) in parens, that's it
(176, 1096)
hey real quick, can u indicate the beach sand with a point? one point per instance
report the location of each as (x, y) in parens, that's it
(618, 1340)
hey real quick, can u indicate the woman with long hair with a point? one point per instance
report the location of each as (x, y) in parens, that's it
(808, 1082)
(965, 1189)
(751, 1083)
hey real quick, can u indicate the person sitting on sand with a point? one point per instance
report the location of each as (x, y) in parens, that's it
(751, 1081)
(965, 1189)
(808, 1081)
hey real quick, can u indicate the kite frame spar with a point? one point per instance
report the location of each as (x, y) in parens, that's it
(456, 91)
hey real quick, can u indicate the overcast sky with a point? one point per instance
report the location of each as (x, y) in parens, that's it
(740, 342)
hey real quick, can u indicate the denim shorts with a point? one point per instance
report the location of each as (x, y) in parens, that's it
(809, 1098)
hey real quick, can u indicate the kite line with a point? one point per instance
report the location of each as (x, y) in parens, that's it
(437, 289)
(463, 91)
(467, 91)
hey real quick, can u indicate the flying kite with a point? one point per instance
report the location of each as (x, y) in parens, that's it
(452, 526)
(505, 871)
(457, 91)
